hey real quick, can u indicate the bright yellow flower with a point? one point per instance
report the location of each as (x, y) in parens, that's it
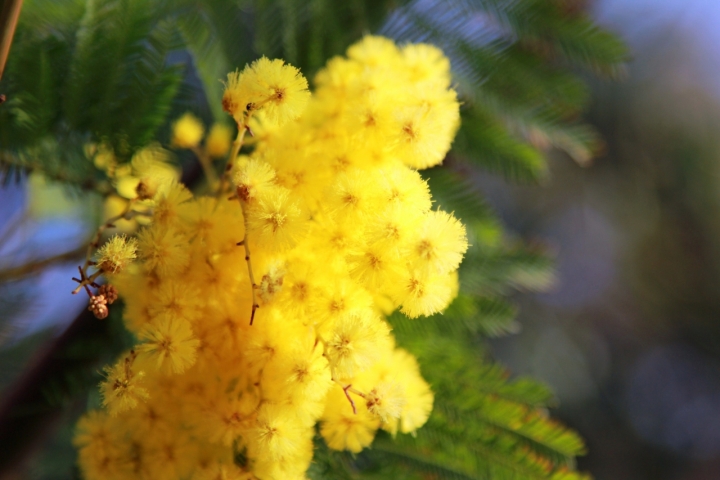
(341, 230)
(116, 254)
(217, 143)
(169, 343)
(187, 131)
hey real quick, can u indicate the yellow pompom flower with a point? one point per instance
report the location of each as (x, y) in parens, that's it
(374, 50)
(94, 427)
(416, 391)
(162, 250)
(97, 461)
(253, 178)
(218, 140)
(149, 172)
(276, 434)
(420, 139)
(123, 387)
(353, 197)
(187, 131)
(168, 204)
(341, 231)
(375, 265)
(271, 282)
(302, 374)
(223, 420)
(169, 342)
(386, 401)
(404, 186)
(355, 342)
(276, 221)
(421, 293)
(426, 63)
(440, 244)
(279, 90)
(237, 95)
(116, 254)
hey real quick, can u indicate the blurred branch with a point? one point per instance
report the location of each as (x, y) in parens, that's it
(10, 163)
(38, 265)
(8, 21)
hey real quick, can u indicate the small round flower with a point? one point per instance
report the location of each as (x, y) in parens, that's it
(440, 244)
(344, 429)
(422, 293)
(217, 143)
(279, 90)
(386, 401)
(187, 131)
(123, 387)
(162, 250)
(276, 221)
(253, 178)
(237, 95)
(116, 254)
(170, 342)
(355, 342)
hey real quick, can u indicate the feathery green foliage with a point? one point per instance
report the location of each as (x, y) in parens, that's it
(107, 71)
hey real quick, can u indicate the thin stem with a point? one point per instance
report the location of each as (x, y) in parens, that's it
(355, 391)
(347, 395)
(244, 243)
(237, 144)
(347, 390)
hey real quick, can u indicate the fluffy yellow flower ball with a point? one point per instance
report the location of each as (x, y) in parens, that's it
(260, 312)
(187, 131)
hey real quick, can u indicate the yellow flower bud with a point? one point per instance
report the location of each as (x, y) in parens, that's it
(187, 131)
(217, 143)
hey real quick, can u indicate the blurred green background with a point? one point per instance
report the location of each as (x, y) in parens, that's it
(630, 337)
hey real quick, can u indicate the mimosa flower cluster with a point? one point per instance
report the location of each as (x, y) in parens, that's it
(259, 312)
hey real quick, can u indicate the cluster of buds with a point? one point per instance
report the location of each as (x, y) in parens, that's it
(109, 292)
(98, 304)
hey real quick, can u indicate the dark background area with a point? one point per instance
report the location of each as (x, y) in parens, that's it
(629, 337)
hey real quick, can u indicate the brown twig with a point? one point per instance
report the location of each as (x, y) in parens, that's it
(352, 404)
(237, 144)
(8, 21)
(347, 390)
(244, 243)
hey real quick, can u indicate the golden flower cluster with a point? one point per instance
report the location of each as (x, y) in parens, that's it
(342, 232)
